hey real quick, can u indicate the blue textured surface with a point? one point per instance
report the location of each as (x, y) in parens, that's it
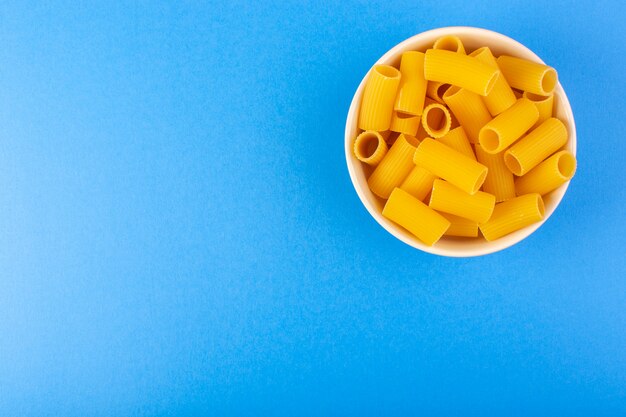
(179, 234)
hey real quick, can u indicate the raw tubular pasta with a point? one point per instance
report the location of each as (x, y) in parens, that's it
(501, 96)
(457, 140)
(447, 198)
(460, 70)
(452, 166)
(527, 75)
(548, 175)
(469, 110)
(419, 219)
(499, 181)
(544, 106)
(512, 215)
(412, 89)
(405, 123)
(418, 183)
(394, 167)
(436, 120)
(508, 126)
(370, 147)
(378, 98)
(435, 90)
(460, 226)
(533, 148)
(450, 43)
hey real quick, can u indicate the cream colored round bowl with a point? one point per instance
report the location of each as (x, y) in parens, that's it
(472, 38)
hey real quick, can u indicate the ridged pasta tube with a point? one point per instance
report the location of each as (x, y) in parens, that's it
(528, 76)
(460, 70)
(412, 89)
(548, 175)
(512, 215)
(508, 126)
(394, 167)
(378, 99)
(419, 219)
(454, 167)
(501, 96)
(447, 198)
(533, 148)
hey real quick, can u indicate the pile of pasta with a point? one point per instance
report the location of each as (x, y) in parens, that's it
(462, 143)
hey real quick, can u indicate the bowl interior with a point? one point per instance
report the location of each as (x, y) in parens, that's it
(472, 38)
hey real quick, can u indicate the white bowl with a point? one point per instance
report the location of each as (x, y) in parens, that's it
(472, 38)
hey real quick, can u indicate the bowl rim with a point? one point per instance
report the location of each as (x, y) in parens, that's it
(498, 244)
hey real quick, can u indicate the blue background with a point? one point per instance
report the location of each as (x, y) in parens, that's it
(179, 234)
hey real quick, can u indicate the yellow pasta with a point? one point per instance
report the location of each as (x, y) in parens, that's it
(412, 89)
(447, 198)
(527, 75)
(405, 123)
(533, 148)
(499, 181)
(548, 175)
(394, 167)
(512, 215)
(450, 43)
(436, 120)
(501, 96)
(508, 126)
(435, 90)
(385, 134)
(544, 106)
(460, 70)
(518, 94)
(457, 140)
(460, 226)
(416, 217)
(378, 99)
(469, 110)
(370, 147)
(452, 166)
(418, 183)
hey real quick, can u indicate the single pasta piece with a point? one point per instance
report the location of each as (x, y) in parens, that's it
(418, 183)
(548, 175)
(469, 110)
(416, 217)
(508, 126)
(447, 198)
(501, 96)
(436, 120)
(457, 140)
(512, 215)
(436, 90)
(412, 89)
(460, 70)
(394, 167)
(544, 106)
(527, 75)
(450, 43)
(533, 148)
(454, 167)
(370, 147)
(405, 123)
(499, 181)
(379, 95)
(460, 226)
